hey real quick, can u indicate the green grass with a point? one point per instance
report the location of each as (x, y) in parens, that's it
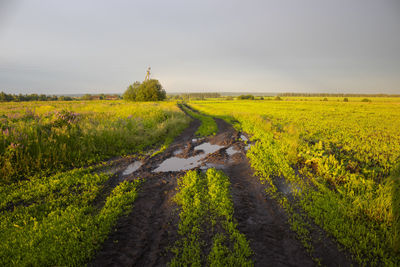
(52, 208)
(41, 138)
(53, 221)
(342, 159)
(208, 125)
(207, 210)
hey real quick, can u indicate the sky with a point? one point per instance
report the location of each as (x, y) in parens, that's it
(96, 46)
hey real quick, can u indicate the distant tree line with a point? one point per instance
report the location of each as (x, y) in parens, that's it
(31, 97)
(243, 97)
(338, 95)
(42, 97)
(99, 97)
(196, 96)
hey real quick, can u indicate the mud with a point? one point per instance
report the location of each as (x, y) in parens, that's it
(146, 235)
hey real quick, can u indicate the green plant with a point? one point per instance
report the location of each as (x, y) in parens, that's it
(206, 205)
(54, 221)
(208, 125)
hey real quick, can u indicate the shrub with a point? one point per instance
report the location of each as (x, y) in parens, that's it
(345, 99)
(366, 100)
(150, 90)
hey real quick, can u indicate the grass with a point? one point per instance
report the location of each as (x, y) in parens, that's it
(37, 138)
(54, 221)
(341, 158)
(53, 211)
(208, 125)
(207, 210)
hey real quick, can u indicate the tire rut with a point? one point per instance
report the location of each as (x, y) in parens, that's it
(263, 221)
(145, 236)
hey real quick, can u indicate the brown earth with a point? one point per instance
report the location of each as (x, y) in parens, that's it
(145, 236)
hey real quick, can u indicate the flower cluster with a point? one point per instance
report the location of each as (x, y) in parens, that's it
(65, 117)
(6, 132)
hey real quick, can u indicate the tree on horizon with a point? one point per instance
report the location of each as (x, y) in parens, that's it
(149, 90)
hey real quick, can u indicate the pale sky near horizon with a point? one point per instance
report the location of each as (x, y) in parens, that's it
(96, 46)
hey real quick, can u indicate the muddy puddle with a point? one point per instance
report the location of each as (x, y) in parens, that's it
(132, 168)
(231, 151)
(178, 151)
(183, 164)
(208, 148)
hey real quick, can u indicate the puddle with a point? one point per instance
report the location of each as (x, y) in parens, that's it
(175, 164)
(208, 148)
(244, 138)
(231, 151)
(132, 168)
(194, 140)
(181, 164)
(178, 151)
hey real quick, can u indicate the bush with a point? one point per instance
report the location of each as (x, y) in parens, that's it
(325, 99)
(345, 99)
(150, 90)
(366, 100)
(277, 98)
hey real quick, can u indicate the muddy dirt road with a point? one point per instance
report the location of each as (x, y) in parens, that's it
(145, 236)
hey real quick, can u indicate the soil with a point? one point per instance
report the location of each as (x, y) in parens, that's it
(145, 236)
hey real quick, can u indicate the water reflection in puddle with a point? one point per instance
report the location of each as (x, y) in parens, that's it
(132, 168)
(178, 151)
(208, 148)
(181, 164)
(231, 151)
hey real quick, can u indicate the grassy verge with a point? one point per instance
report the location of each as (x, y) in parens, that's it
(208, 125)
(53, 222)
(207, 210)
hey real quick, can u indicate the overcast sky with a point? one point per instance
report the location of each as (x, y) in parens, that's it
(95, 46)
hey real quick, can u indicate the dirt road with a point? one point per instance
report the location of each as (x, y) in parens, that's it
(145, 236)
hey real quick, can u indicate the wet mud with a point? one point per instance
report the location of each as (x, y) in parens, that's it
(145, 237)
